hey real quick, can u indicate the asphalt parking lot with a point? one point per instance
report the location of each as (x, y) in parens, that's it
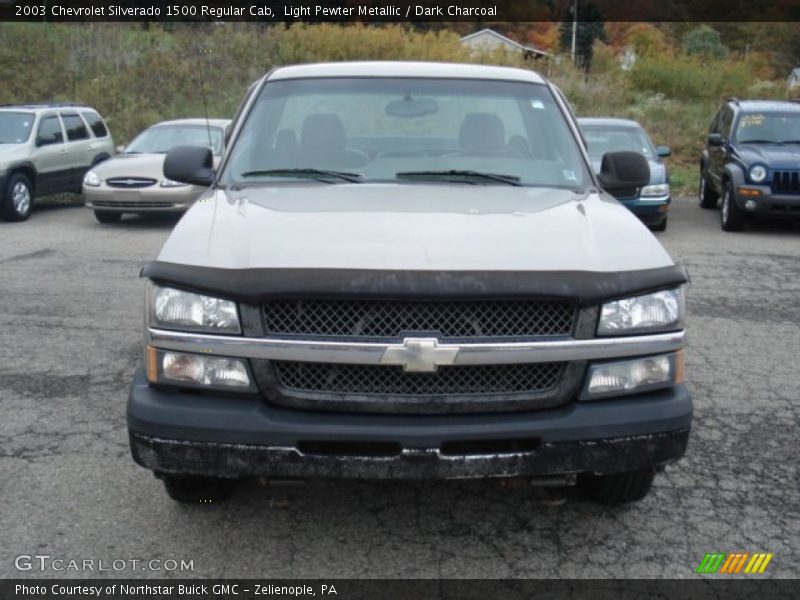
(71, 334)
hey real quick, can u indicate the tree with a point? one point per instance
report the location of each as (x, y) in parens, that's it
(590, 28)
(704, 40)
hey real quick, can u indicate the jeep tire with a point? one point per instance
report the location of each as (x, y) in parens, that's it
(17, 201)
(731, 217)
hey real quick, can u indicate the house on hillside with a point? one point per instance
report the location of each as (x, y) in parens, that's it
(489, 40)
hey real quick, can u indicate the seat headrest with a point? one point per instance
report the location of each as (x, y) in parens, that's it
(322, 131)
(481, 130)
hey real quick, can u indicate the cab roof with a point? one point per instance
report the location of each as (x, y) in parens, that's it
(405, 69)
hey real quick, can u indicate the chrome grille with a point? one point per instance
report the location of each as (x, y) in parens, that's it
(786, 182)
(130, 182)
(391, 319)
(374, 380)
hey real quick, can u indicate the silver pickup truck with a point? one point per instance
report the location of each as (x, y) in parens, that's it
(410, 270)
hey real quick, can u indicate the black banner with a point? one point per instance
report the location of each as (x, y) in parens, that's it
(733, 588)
(397, 11)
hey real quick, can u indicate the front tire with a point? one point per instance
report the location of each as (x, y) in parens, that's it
(190, 489)
(618, 488)
(731, 217)
(107, 216)
(18, 198)
(708, 197)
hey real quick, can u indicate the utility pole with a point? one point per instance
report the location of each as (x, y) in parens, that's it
(574, 28)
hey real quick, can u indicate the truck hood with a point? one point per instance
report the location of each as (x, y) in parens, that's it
(412, 227)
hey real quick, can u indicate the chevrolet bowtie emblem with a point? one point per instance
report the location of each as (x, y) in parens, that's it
(420, 355)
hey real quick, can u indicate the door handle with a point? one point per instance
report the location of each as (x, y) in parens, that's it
(63, 152)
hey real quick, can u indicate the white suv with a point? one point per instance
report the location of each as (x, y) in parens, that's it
(47, 149)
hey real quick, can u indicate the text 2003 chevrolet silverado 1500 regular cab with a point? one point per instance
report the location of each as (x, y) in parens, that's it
(410, 270)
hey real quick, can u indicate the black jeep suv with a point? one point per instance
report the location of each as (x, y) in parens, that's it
(752, 161)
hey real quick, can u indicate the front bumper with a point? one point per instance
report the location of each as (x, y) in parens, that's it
(767, 204)
(151, 199)
(237, 436)
(651, 210)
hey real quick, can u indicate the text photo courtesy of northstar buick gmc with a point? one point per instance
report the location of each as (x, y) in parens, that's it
(410, 270)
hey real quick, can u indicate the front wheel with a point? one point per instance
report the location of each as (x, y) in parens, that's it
(191, 489)
(107, 216)
(17, 202)
(618, 488)
(731, 216)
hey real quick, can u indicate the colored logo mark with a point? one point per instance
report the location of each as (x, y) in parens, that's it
(732, 564)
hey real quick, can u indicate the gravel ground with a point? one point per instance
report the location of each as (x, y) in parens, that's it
(69, 489)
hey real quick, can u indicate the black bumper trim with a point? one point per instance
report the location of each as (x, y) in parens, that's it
(605, 456)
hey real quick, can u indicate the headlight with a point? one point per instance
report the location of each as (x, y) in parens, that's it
(176, 309)
(633, 376)
(91, 178)
(758, 173)
(197, 370)
(170, 183)
(658, 189)
(660, 311)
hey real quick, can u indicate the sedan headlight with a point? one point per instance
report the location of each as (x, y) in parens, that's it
(658, 189)
(176, 309)
(659, 311)
(168, 183)
(758, 173)
(91, 178)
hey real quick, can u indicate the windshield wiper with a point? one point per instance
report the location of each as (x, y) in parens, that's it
(790, 142)
(760, 142)
(318, 174)
(459, 174)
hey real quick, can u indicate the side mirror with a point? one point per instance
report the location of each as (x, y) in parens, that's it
(663, 151)
(715, 139)
(190, 164)
(622, 173)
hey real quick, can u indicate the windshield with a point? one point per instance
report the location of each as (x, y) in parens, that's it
(159, 139)
(343, 130)
(769, 128)
(609, 138)
(15, 127)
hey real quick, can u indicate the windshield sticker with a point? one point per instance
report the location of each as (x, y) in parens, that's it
(750, 120)
(569, 175)
(537, 104)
